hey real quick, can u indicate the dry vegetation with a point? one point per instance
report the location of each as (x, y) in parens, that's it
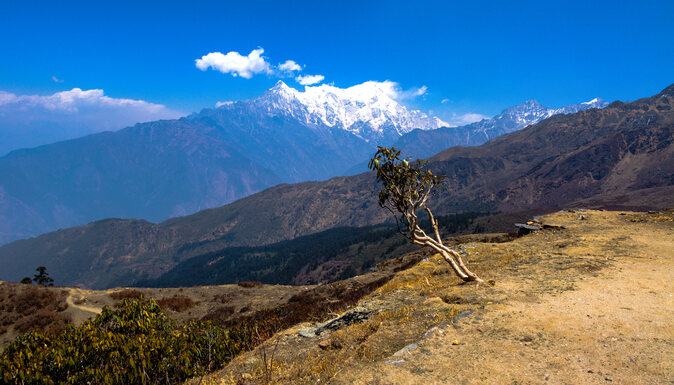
(176, 303)
(126, 294)
(587, 304)
(26, 307)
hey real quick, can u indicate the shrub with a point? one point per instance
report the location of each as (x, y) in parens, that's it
(135, 344)
(126, 294)
(176, 303)
(249, 284)
(30, 307)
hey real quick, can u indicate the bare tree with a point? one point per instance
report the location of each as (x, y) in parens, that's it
(406, 189)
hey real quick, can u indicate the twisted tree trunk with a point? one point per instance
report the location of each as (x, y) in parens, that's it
(451, 256)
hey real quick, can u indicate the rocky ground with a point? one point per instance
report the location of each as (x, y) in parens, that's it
(589, 303)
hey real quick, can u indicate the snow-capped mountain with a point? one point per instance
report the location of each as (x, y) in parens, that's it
(525, 114)
(423, 144)
(367, 110)
(594, 103)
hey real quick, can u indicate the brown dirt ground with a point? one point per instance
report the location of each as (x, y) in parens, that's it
(588, 304)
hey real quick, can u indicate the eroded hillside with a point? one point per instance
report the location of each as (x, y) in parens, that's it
(588, 303)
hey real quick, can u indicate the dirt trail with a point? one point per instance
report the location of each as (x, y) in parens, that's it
(78, 294)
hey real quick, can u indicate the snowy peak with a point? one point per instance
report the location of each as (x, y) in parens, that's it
(525, 114)
(594, 103)
(368, 110)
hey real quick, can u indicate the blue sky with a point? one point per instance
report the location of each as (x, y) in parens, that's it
(479, 57)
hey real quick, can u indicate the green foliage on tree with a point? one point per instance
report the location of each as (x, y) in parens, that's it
(42, 277)
(407, 186)
(134, 344)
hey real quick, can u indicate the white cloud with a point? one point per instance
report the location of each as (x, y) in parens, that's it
(70, 102)
(235, 63)
(308, 80)
(289, 66)
(445, 101)
(394, 91)
(225, 103)
(467, 118)
(56, 80)
(31, 120)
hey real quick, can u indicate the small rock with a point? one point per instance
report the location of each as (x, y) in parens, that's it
(433, 300)
(608, 379)
(406, 350)
(524, 229)
(590, 371)
(464, 315)
(395, 362)
(431, 331)
(325, 344)
(307, 332)
(582, 217)
(456, 342)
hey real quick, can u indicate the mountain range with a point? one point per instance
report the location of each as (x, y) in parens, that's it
(422, 143)
(170, 168)
(621, 156)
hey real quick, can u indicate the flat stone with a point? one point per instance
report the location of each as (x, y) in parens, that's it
(307, 332)
(407, 349)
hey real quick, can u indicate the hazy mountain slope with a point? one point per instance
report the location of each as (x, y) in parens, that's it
(614, 152)
(294, 150)
(152, 170)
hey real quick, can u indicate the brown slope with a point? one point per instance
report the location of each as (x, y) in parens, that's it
(595, 156)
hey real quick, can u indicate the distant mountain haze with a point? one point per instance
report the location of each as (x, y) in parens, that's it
(621, 156)
(34, 120)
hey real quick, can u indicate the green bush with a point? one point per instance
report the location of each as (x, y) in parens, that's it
(134, 344)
